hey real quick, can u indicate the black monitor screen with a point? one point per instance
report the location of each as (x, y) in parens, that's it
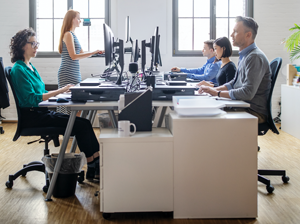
(127, 30)
(108, 45)
(135, 51)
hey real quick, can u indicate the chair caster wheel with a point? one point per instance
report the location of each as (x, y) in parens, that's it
(258, 148)
(270, 189)
(24, 175)
(106, 215)
(80, 178)
(285, 179)
(45, 189)
(9, 184)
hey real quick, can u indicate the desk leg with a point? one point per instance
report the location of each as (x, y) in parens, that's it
(154, 110)
(61, 154)
(93, 116)
(74, 143)
(113, 118)
(162, 116)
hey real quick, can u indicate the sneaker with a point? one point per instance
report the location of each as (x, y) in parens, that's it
(90, 174)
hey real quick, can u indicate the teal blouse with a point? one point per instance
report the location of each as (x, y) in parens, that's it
(28, 84)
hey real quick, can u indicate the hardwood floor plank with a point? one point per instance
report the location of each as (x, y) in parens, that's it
(24, 203)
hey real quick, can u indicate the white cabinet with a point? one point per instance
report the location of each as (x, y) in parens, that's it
(290, 110)
(136, 173)
(215, 166)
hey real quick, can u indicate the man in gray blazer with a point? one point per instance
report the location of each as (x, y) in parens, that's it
(252, 81)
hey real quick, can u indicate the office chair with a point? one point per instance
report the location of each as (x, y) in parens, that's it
(270, 125)
(4, 98)
(47, 134)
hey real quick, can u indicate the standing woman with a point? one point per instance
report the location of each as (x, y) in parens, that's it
(71, 51)
(223, 49)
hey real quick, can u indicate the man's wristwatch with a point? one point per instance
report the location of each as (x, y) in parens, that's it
(219, 93)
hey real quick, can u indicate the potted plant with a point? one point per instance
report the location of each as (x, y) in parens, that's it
(292, 43)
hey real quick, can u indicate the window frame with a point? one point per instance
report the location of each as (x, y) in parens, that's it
(32, 23)
(197, 53)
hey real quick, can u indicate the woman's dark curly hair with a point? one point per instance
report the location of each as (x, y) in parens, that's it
(17, 43)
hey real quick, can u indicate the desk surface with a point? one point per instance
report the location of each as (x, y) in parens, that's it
(113, 105)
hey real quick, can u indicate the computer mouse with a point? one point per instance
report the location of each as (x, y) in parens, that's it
(62, 100)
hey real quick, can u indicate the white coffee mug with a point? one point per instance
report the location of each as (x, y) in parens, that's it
(124, 128)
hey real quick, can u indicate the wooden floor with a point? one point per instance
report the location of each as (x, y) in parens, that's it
(24, 203)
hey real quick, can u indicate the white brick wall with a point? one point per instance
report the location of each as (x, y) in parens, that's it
(274, 17)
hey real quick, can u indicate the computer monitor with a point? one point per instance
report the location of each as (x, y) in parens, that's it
(156, 53)
(108, 44)
(110, 53)
(135, 51)
(127, 30)
(153, 45)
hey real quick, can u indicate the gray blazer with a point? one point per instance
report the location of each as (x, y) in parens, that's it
(252, 81)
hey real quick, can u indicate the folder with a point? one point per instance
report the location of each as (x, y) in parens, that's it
(139, 111)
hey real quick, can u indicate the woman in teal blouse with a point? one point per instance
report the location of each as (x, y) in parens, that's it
(30, 91)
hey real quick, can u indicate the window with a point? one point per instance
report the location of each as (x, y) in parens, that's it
(195, 21)
(46, 17)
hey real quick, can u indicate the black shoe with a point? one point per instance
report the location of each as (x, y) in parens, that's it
(90, 173)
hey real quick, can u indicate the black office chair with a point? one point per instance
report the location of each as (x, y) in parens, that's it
(47, 134)
(4, 98)
(270, 125)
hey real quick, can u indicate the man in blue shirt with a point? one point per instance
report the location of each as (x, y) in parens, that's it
(209, 70)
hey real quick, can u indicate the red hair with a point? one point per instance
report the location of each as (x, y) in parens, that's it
(66, 26)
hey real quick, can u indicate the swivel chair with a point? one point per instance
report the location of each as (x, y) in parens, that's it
(47, 134)
(270, 125)
(4, 99)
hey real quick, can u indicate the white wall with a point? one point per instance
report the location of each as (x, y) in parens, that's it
(274, 17)
(14, 16)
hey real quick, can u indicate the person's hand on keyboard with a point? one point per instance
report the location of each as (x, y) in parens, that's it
(175, 69)
(205, 83)
(206, 89)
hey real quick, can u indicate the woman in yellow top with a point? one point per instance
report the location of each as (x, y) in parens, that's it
(71, 51)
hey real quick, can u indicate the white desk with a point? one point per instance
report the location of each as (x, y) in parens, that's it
(215, 166)
(136, 172)
(108, 105)
(290, 110)
(85, 107)
(207, 168)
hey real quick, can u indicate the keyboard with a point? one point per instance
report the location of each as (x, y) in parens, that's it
(98, 55)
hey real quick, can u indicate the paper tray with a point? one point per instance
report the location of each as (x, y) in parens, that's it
(199, 107)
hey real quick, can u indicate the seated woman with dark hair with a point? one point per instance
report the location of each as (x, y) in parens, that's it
(30, 91)
(227, 70)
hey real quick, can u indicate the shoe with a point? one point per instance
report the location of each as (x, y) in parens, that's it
(90, 173)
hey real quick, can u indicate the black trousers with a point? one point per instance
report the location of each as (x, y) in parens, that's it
(82, 129)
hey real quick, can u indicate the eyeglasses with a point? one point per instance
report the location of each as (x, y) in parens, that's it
(34, 44)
